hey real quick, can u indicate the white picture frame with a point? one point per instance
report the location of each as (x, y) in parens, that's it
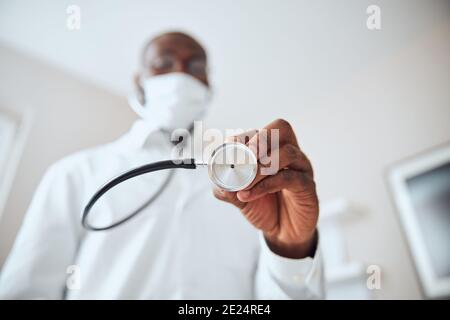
(417, 186)
(14, 129)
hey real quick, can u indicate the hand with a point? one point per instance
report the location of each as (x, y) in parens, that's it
(283, 205)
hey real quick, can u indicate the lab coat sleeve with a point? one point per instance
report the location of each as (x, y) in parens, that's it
(46, 244)
(283, 278)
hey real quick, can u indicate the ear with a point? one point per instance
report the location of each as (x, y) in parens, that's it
(140, 93)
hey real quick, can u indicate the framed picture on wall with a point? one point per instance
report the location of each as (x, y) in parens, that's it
(421, 191)
(14, 128)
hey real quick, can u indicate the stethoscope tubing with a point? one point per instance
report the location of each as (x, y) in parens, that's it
(151, 167)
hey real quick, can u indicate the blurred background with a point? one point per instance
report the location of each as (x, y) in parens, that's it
(360, 100)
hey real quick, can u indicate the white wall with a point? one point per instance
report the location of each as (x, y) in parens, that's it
(359, 100)
(69, 115)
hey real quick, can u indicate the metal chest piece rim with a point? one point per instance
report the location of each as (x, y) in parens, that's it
(232, 166)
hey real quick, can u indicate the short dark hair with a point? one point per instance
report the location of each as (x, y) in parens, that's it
(171, 34)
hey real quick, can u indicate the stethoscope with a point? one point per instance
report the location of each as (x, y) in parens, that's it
(231, 167)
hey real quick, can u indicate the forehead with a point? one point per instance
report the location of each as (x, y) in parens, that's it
(181, 46)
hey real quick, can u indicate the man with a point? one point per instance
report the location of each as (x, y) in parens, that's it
(185, 244)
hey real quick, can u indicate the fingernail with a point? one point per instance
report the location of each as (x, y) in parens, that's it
(243, 194)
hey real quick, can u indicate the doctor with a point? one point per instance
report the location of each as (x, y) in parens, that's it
(186, 244)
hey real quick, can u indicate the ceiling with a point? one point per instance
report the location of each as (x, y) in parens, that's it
(311, 46)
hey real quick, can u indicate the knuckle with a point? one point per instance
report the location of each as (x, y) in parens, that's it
(245, 137)
(231, 139)
(291, 151)
(283, 123)
(263, 184)
(287, 175)
(306, 181)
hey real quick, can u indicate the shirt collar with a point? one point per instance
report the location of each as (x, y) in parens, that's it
(142, 134)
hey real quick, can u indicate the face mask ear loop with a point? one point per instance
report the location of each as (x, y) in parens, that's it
(141, 87)
(133, 99)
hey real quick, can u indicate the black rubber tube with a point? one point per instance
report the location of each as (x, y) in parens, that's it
(151, 167)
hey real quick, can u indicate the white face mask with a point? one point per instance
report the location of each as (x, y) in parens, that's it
(174, 100)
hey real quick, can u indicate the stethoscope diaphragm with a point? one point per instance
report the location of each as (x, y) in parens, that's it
(232, 166)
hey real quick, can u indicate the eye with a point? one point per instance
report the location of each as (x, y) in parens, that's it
(163, 63)
(197, 67)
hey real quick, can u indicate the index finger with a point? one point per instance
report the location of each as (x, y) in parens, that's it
(273, 136)
(242, 137)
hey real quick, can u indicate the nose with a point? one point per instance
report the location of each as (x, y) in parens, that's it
(179, 66)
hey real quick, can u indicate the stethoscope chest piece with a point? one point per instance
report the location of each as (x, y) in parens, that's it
(232, 166)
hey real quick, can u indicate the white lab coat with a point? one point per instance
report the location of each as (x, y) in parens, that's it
(185, 245)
